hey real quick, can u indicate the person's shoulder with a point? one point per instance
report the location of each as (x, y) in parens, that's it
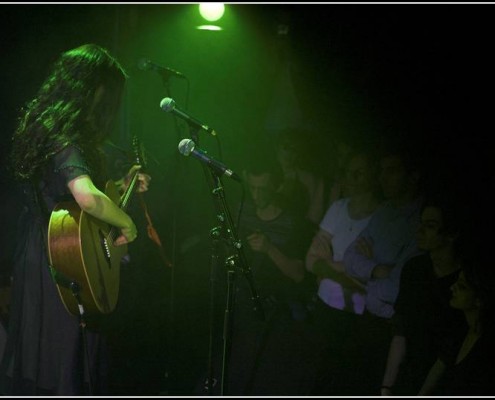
(66, 150)
(74, 147)
(71, 161)
(247, 211)
(296, 219)
(340, 204)
(382, 212)
(417, 265)
(384, 206)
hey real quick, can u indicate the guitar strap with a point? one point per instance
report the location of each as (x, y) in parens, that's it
(152, 233)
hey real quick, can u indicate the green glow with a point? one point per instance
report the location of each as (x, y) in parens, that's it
(209, 28)
(211, 11)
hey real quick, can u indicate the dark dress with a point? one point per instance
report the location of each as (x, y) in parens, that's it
(472, 376)
(44, 351)
(424, 317)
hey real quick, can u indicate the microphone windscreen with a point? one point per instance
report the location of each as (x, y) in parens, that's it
(186, 146)
(167, 104)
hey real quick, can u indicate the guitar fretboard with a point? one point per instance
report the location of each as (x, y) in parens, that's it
(124, 203)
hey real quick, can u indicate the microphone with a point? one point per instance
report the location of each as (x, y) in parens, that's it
(187, 147)
(146, 65)
(167, 104)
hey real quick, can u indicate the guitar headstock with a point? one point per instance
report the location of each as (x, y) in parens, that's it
(139, 152)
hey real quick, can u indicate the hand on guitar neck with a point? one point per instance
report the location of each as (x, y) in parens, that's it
(143, 180)
(129, 234)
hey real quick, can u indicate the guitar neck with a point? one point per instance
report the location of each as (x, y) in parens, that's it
(124, 203)
(126, 197)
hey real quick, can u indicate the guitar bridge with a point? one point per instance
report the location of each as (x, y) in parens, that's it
(106, 248)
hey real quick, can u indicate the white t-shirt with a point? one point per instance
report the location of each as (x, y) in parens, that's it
(344, 231)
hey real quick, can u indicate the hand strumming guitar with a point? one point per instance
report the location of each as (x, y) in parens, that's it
(127, 235)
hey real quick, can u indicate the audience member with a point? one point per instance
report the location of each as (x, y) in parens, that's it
(267, 357)
(468, 370)
(340, 298)
(56, 156)
(423, 319)
(302, 188)
(377, 256)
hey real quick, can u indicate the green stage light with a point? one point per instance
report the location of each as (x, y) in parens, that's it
(211, 11)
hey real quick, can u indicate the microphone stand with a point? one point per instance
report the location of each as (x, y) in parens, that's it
(215, 235)
(171, 311)
(235, 260)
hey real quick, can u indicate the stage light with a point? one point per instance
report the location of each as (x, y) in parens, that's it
(211, 11)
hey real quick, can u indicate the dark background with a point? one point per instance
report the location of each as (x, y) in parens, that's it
(418, 71)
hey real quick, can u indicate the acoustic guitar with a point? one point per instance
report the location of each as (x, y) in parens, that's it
(82, 253)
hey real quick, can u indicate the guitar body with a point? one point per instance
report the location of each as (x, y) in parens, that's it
(79, 250)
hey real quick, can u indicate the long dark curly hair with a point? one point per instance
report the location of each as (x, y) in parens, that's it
(77, 104)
